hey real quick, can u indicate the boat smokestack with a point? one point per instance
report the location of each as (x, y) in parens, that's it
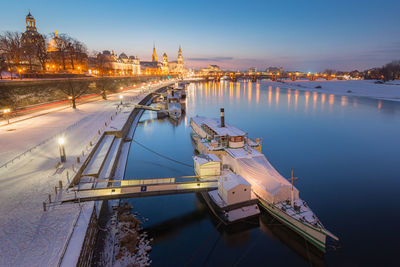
(222, 117)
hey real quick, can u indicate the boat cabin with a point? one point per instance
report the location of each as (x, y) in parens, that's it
(233, 188)
(207, 166)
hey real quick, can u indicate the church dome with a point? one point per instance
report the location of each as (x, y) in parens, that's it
(54, 44)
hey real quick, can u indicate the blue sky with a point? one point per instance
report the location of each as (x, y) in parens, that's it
(297, 35)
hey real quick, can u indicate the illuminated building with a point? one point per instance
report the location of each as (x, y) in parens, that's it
(31, 42)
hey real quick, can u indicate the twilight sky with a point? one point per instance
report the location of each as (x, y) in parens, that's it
(297, 35)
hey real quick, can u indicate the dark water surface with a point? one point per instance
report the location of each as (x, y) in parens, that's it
(345, 151)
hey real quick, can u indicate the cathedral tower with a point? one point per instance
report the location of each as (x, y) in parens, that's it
(180, 58)
(30, 23)
(154, 56)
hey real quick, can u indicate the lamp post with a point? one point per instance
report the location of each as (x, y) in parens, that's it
(19, 71)
(121, 97)
(62, 149)
(6, 113)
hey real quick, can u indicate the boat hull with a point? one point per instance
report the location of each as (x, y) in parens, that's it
(314, 235)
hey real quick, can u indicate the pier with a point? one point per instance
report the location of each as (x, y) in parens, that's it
(138, 188)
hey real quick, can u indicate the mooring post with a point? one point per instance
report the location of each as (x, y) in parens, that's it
(49, 198)
(60, 184)
(44, 206)
(55, 189)
(78, 160)
(73, 169)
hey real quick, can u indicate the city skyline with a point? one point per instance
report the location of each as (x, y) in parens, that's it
(310, 37)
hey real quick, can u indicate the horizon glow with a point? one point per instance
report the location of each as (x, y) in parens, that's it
(296, 35)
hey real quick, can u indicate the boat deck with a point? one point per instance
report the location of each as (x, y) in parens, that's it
(301, 212)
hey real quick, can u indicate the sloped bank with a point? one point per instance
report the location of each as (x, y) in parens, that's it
(86, 237)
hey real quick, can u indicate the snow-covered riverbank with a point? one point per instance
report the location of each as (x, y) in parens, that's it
(363, 88)
(30, 236)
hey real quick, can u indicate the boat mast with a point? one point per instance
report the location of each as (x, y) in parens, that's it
(247, 142)
(292, 193)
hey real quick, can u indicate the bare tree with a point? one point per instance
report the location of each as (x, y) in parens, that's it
(41, 52)
(61, 42)
(77, 52)
(391, 71)
(330, 71)
(74, 90)
(11, 48)
(3, 65)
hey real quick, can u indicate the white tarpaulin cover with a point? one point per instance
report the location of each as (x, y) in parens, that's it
(264, 179)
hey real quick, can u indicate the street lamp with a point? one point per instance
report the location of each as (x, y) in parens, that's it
(121, 97)
(62, 149)
(6, 113)
(19, 71)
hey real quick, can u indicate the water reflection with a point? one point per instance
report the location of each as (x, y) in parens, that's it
(325, 157)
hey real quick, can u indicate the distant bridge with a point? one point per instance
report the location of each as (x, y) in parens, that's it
(140, 188)
(274, 76)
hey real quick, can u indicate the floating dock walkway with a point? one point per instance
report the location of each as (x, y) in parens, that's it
(89, 191)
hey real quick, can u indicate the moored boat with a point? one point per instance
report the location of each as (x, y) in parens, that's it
(275, 194)
(174, 106)
(233, 201)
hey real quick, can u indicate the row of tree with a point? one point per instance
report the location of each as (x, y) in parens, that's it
(30, 51)
(388, 72)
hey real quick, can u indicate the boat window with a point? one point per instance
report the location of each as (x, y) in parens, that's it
(236, 138)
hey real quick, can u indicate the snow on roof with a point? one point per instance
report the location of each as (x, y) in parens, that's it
(258, 171)
(215, 125)
(206, 158)
(231, 180)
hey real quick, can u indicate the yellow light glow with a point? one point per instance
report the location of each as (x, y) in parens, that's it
(61, 141)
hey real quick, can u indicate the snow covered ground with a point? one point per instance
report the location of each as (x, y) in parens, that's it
(28, 235)
(365, 88)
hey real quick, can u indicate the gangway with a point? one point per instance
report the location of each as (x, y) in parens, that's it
(147, 107)
(139, 188)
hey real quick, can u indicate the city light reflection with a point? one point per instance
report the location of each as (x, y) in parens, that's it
(307, 96)
(257, 93)
(343, 101)
(269, 95)
(277, 89)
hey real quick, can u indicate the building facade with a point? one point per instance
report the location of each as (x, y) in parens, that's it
(108, 63)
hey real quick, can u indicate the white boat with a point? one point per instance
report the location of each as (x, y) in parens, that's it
(275, 193)
(174, 106)
(233, 201)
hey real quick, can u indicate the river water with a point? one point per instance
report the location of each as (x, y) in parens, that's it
(344, 149)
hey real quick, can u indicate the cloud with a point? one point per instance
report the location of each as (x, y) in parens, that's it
(217, 59)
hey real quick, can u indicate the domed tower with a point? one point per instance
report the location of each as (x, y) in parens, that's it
(164, 66)
(154, 57)
(180, 58)
(30, 23)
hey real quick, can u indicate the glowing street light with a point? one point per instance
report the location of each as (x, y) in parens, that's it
(121, 97)
(6, 113)
(61, 142)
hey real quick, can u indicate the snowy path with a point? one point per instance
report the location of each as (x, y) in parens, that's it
(29, 236)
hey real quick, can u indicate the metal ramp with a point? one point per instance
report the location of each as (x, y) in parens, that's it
(139, 188)
(147, 107)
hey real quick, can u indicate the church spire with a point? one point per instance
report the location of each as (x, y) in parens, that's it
(154, 57)
(180, 57)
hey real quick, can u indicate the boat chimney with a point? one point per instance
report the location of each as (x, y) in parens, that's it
(222, 118)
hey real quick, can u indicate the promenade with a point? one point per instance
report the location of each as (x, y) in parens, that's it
(30, 236)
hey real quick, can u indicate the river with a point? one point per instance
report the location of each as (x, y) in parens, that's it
(344, 149)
